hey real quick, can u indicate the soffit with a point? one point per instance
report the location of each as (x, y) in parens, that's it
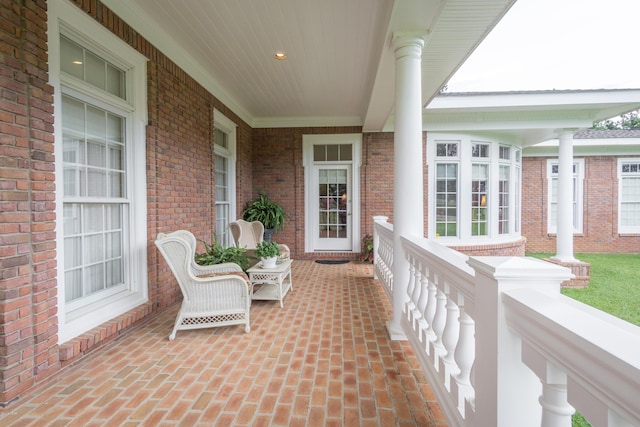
(527, 117)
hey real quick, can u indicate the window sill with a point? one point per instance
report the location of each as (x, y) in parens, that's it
(77, 347)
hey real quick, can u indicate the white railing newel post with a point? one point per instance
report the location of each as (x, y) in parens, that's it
(507, 391)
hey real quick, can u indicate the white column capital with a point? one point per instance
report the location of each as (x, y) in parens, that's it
(566, 132)
(408, 43)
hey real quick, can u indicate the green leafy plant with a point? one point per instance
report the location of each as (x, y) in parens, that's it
(265, 210)
(367, 248)
(215, 253)
(267, 249)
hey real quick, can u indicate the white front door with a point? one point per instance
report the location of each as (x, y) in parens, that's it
(332, 208)
(332, 192)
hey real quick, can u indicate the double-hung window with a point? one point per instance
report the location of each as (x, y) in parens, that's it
(629, 195)
(100, 164)
(576, 202)
(224, 146)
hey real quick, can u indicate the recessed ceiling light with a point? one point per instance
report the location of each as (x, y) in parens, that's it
(279, 55)
(77, 62)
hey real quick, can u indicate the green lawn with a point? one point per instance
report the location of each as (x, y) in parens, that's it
(614, 288)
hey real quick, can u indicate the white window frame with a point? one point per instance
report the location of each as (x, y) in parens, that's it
(308, 141)
(465, 160)
(490, 190)
(578, 179)
(66, 18)
(621, 228)
(226, 125)
(445, 160)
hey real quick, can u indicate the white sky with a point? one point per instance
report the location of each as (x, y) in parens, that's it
(557, 44)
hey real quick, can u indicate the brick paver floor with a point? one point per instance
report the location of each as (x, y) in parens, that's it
(324, 359)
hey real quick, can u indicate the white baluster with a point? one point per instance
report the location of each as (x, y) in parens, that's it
(464, 355)
(466, 350)
(424, 283)
(439, 321)
(415, 296)
(556, 411)
(451, 333)
(409, 305)
(422, 302)
(430, 311)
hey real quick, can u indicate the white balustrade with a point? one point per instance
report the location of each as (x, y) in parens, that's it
(501, 346)
(383, 253)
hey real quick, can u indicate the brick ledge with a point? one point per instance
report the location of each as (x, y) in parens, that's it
(77, 347)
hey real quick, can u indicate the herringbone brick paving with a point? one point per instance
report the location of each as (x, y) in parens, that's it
(323, 360)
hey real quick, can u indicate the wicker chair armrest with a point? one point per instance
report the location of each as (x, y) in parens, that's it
(217, 276)
(200, 270)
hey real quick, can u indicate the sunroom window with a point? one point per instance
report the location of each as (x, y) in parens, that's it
(475, 183)
(479, 200)
(447, 189)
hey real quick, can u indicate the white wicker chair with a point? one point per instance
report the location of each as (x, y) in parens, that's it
(216, 295)
(248, 235)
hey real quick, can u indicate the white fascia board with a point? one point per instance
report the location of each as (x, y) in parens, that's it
(551, 99)
(587, 147)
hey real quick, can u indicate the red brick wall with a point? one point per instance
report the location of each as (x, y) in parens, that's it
(28, 325)
(376, 179)
(534, 205)
(180, 182)
(600, 208)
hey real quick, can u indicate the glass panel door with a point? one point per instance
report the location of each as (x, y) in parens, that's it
(333, 214)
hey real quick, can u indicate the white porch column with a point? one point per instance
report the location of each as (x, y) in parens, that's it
(408, 204)
(564, 232)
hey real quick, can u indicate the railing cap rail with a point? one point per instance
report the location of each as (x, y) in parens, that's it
(598, 351)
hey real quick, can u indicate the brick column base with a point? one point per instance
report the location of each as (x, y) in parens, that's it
(582, 271)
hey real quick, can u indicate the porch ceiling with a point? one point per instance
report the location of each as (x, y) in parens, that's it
(339, 68)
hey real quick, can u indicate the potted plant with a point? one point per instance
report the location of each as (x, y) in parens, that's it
(367, 248)
(216, 254)
(268, 252)
(268, 212)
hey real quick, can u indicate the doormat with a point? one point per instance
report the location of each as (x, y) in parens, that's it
(332, 261)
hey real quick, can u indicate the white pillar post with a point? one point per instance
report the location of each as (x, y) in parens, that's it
(408, 204)
(564, 226)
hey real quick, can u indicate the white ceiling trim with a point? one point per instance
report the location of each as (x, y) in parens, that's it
(296, 122)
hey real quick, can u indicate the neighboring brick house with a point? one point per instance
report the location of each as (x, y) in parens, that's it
(607, 192)
(65, 183)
